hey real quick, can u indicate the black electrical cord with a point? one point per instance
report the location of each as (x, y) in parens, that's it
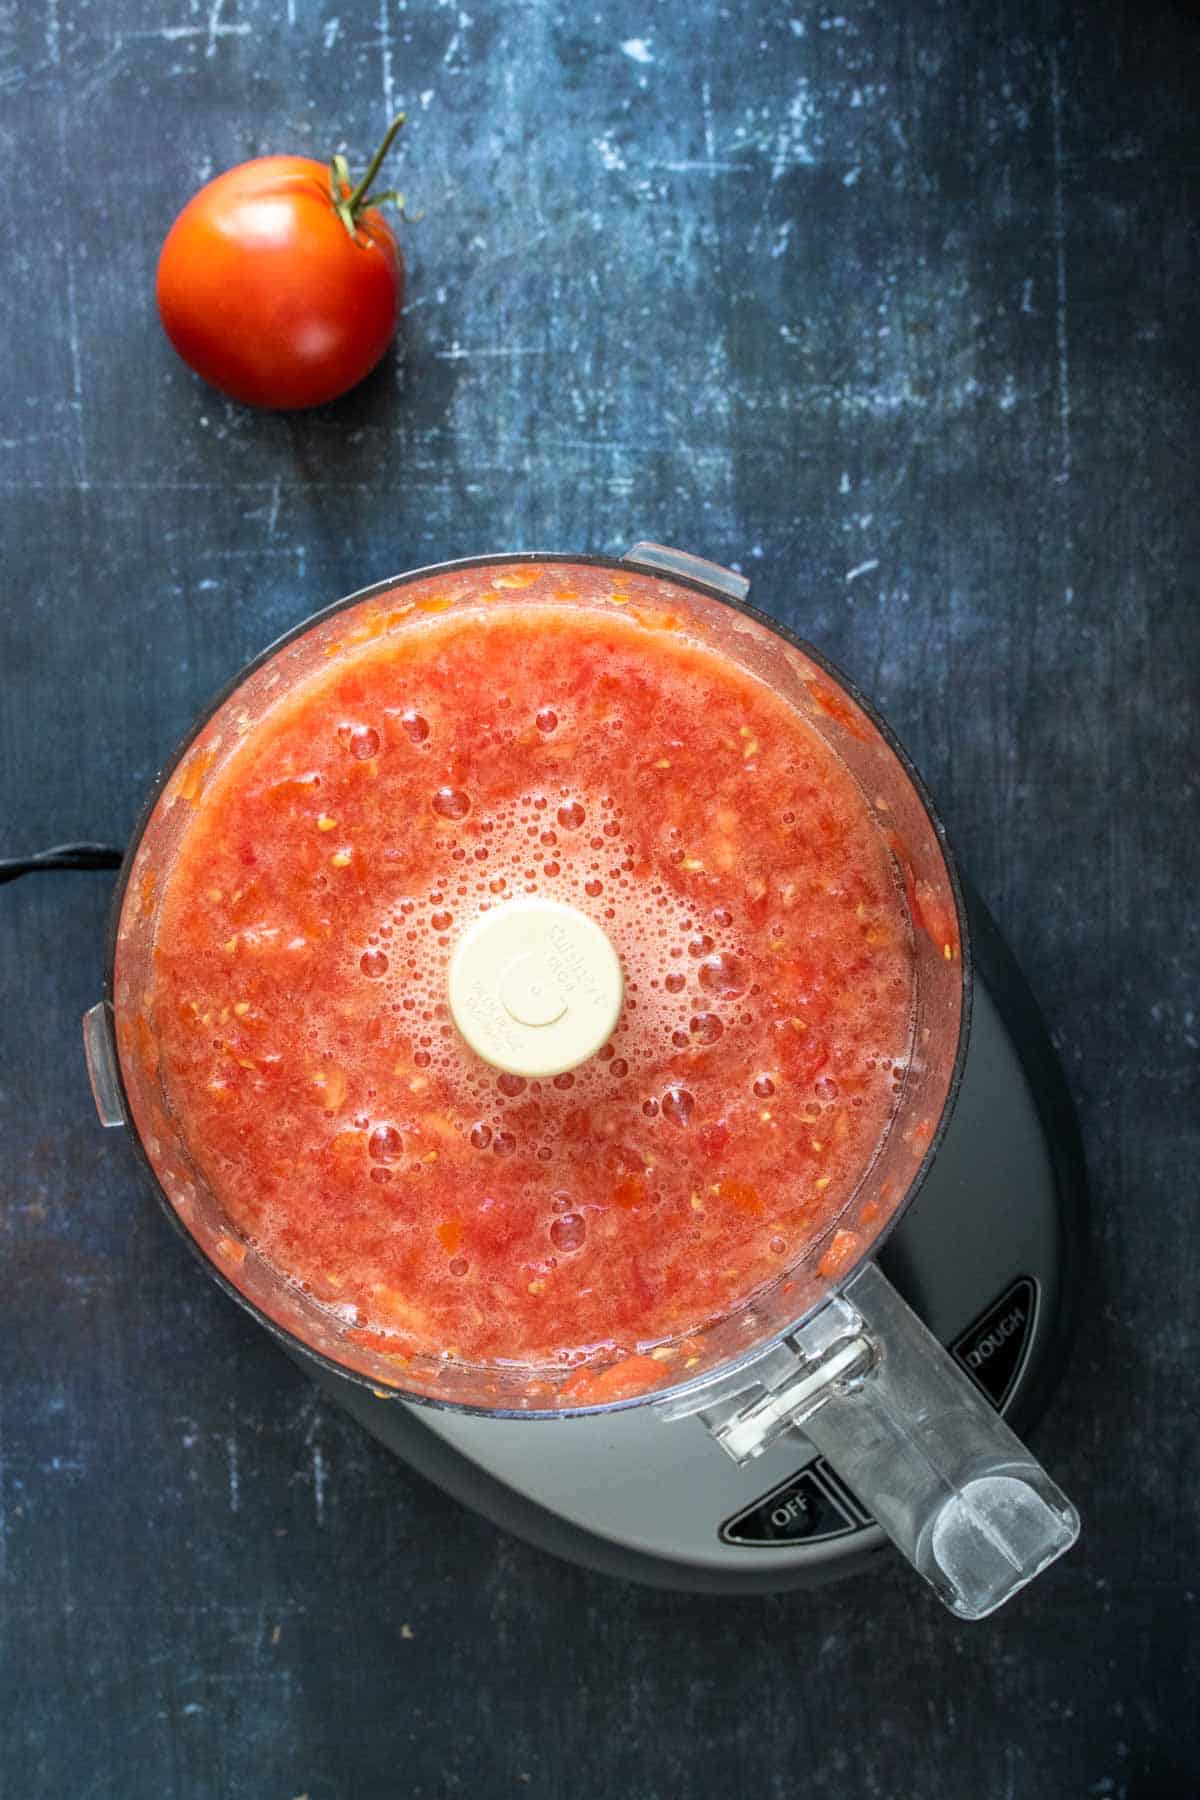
(62, 856)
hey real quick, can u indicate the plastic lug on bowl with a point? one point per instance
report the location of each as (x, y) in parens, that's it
(100, 1051)
(693, 568)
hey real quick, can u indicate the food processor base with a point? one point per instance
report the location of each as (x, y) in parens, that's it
(989, 1257)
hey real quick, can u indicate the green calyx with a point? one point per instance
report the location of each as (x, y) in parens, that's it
(351, 206)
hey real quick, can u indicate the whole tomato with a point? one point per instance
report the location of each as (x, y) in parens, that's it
(280, 283)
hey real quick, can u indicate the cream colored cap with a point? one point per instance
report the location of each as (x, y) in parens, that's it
(535, 987)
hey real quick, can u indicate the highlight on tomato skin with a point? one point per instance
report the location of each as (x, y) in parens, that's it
(280, 283)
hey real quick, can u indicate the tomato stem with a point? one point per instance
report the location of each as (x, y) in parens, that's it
(358, 199)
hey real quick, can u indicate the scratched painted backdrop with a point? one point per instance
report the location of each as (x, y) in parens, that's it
(892, 305)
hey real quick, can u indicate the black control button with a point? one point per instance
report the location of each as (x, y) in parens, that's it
(802, 1510)
(993, 1349)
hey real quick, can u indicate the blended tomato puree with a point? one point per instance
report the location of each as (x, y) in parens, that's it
(299, 985)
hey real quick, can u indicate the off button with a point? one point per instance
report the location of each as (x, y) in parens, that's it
(803, 1510)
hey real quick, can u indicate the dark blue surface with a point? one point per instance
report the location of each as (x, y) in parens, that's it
(894, 307)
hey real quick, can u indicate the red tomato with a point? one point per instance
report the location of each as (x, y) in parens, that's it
(272, 290)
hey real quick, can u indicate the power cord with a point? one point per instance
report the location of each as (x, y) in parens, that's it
(62, 856)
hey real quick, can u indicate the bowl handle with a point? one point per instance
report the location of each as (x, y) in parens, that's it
(956, 1491)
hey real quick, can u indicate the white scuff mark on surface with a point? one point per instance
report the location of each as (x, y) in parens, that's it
(884, 399)
(217, 29)
(385, 59)
(426, 97)
(318, 1469)
(273, 515)
(690, 165)
(850, 178)
(231, 1451)
(1061, 338)
(73, 340)
(329, 32)
(862, 569)
(609, 153)
(465, 22)
(793, 147)
(463, 353)
(173, 34)
(1061, 329)
(638, 50)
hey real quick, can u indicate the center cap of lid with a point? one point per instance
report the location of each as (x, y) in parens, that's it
(535, 987)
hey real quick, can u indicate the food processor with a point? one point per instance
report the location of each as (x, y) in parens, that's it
(865, 1393)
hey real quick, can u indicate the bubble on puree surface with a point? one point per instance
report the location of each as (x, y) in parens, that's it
(299, 994)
